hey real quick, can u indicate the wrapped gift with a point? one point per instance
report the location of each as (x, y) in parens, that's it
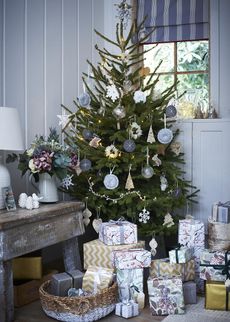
(118, 232)
(199, 284)
(27, 268)
(181, 254)
(129, 282)
(217, 296)
(62, 282)
(218, 235)
(96, 253)
(132, 258)
(97, 278)
(191, 233)
(127, 310)
(189, 290)
(166, 295)
(221, 212)
(219, 257)
(162, 267)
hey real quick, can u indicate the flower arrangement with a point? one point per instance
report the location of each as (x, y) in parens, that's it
(46, 156)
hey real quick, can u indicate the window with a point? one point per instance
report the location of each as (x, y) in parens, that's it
(186, 62)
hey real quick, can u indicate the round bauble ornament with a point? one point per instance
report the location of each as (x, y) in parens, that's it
(111, 181)
(85, 164)
(87, 134)
(147, 172)
(119, 112)
(129, 146)
(84, 99)
(170, 111)
(165, 136)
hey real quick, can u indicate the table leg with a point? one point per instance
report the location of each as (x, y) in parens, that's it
(6, 292)
(71, 255)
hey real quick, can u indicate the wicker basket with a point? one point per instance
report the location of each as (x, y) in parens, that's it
(82, 308)
(218, 235)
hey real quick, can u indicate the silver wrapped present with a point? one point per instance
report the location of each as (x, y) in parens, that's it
(127, 309)
(129, 280)
(189, 290)
(62, 282)
(181, 254)
(221, 212)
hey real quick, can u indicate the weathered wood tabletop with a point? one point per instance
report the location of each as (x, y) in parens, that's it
(23, 231)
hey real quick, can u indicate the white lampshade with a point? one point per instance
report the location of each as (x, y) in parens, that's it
(10, 130)
(10, 139)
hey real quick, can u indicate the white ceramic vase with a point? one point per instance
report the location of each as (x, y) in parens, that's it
(47, 187)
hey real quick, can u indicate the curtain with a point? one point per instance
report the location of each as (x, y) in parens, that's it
(174, 20)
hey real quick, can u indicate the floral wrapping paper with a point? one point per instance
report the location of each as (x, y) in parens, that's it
(166, 295)
(118, 232)
(127, 310)
(97, 278)
(129, 282)
(96, 253)
(162, 267)
(208, 256)
(183, 255)
(132, 258)
(191, 233)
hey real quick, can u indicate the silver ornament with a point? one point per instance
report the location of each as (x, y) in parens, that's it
(147, 172)
(85, 164)
(165, 136)
(111, 181)
(170, 111)
(129, 145)
(87, 134)
(84, 99)
(142, 35)
(119, 112)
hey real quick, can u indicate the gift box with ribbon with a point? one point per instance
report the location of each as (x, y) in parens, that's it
(162, 267)
(118, 232)
(127, 309)
(132, 258)
(221, 212)
(181, 254)
(191, 233)
(62, 282)
(96, 253)
(217, 296)
(97, 278)
(166, 295)
(215, 265)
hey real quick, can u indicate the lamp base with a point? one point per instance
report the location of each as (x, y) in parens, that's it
(4, 182)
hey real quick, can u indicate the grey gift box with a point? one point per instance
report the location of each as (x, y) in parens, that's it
(62, 282)
(189, 290)
(224, 213)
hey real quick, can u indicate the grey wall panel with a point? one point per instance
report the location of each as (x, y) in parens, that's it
(98, 24)
(1, 52)
(53, 63)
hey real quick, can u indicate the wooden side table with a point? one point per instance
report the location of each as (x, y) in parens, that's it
(24, 231)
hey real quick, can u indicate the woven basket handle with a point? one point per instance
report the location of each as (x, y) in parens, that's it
(81, 307)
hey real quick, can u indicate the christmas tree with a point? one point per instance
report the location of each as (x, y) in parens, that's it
(128, 163)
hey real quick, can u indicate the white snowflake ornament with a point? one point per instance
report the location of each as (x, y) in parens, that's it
(111, 151)
(135, 130)
(139, 97)
(67, 182)
(112, 92)
(144, 216)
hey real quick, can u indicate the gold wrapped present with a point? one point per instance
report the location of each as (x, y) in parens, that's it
(162, 267)
(96, 253)
(97, 278)
(216, 296)
(26, 268)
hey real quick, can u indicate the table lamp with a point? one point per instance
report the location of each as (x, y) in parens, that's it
(11, 140)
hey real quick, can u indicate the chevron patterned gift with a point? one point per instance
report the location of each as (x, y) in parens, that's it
(162, 267)
(96, 253)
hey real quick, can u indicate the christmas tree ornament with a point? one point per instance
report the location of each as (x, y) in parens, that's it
(87, 134)
(151, 138)
(29, 203)
(98, 221)
(147, 171)
(165, 135)
(95, 142)
(84, 99)
(67, 182)
(77, 167)
(112, 92)
(176, 147)
(86, 213)
(124, 12)
(135, 130)
(144, 216)
(85, 165)
(129, 182)
(22, 200)
(176, 192)
(127, 85)
(143, 35)
(168, 220)
(129, 145)
(111, 181)
(63, 120)
(119, 113)
(111, 151)
(153, 246)
(164, 183)
(139, 97)
(156, 160)
(170, 111)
